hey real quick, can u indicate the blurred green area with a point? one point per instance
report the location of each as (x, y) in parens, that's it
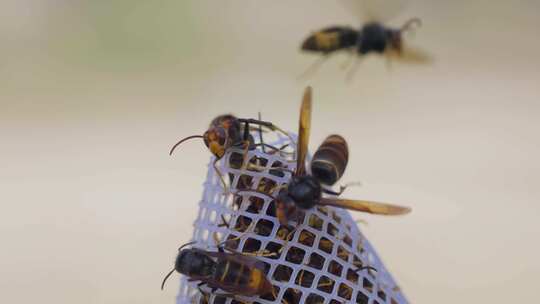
(127, 34)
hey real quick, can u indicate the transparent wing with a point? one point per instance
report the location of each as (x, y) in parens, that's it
(374, 10)
(366, 206)
(303, 132)
(411, 55)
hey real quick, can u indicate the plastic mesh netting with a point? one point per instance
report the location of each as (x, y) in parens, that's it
(317, 265)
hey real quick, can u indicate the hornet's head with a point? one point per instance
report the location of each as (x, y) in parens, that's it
(223, 132)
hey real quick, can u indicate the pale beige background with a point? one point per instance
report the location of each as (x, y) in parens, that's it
(93, 94)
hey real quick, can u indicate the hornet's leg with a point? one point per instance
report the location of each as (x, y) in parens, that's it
(314, 67)
(341, 188)
(261, 141)
(414, 22)
(203, 293)
(350, 57)
(364, 268)
(225, 188)
(245, 161)
(224, 222)
(352, 70)
(266, 124)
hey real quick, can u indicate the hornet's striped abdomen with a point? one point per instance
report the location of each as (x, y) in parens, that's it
(330, 39)
(234, 276)
(330, 160)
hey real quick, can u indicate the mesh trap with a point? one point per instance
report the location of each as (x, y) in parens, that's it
(316, 266)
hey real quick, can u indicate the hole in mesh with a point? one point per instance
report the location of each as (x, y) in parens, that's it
(362, 298)
(367, 284)
(219, 300)
(266, 185)
(360, 247)
(235, 160)
(244, 182)
(259, 161)
(393, 301)
(381, 295)
(275, 248)
(306, 238)
(335, 268)
(254, 164)
(283, 232)
(326, 245)
(201, 299)
(325, 284)
(295, 255)
(352, 276)
(332, 230)
(316, 261)
(345, 291)
(315, 222)
(335, 302)
(224, 220)
(271, 210)
(376, 302)
(252, 245)
(336, 218)
(292, 295)
(278, 173)
(231, 178)
(282, 273)
(266, 268)
(270, 295)
(242, 223)
(323, 210)
(343, 253)
(264, 227)
(357, 262)
(218, 236)
(314, 299)
(237, 201)
(304, 278)
(347, 240)
(232, 242)
(255, 204)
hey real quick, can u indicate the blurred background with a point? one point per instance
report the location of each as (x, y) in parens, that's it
(94, 93)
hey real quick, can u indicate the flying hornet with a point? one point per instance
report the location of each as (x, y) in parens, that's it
(372, 37)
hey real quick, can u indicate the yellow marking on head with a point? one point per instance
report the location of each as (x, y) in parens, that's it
(217, 149)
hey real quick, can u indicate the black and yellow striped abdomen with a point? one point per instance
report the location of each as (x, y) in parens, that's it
(330, 160)
(330, 39)
(233, 276)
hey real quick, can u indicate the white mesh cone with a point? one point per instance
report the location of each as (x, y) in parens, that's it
(316, 266)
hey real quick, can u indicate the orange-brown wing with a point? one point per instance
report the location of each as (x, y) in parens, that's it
(366, 206)
(303, 132)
